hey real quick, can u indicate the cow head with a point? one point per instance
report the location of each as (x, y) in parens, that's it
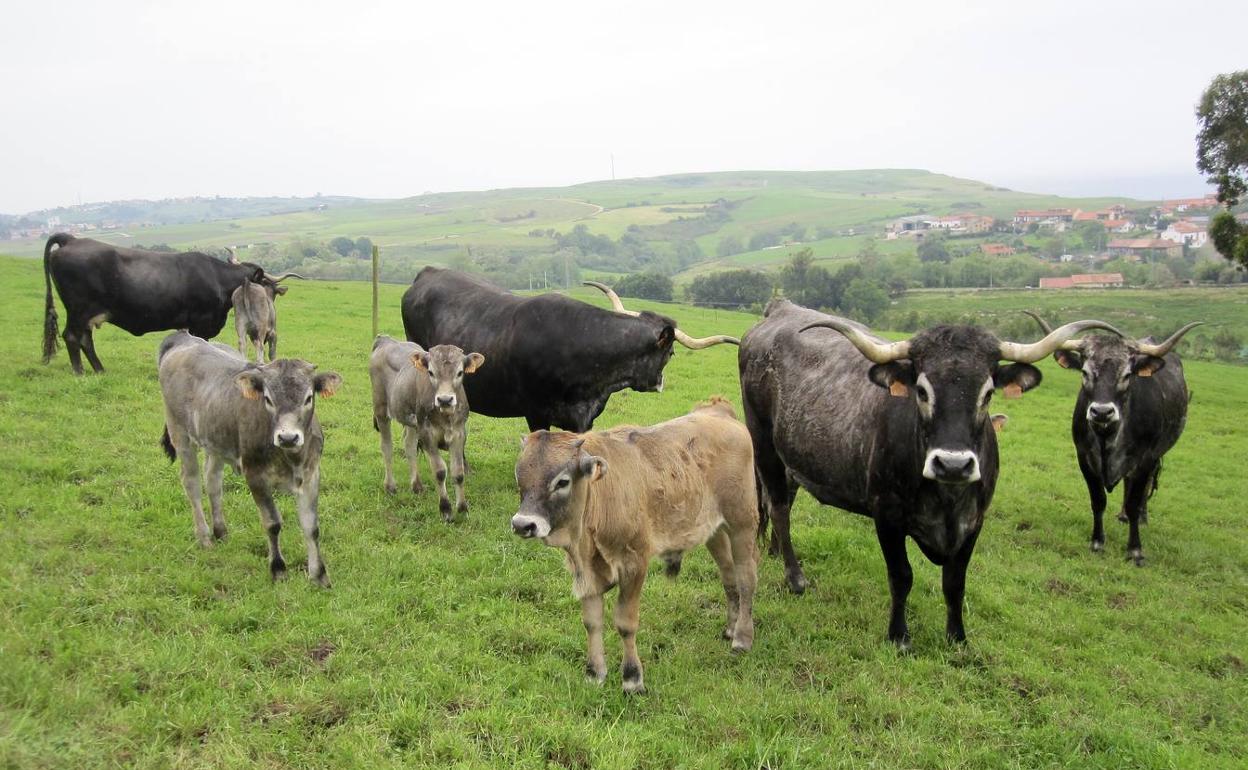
(287, 388)
(256, 274)
(554, 473)
(1110, 366)
(649, 374)
(949, 374)
(446, 365)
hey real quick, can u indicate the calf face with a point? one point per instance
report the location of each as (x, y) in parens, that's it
(287, 388)
(446, 366)
(554, 474)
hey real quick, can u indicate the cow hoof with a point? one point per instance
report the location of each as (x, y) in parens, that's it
(321, 579)
(634, 687)
(417, 488)
(903, 644)
(742, 645)
(277, 570)
(205, 541)
(219, 533)
(462, 507)
(1122, 516)
(594, 676)
(798, 584)
(391, 488)
(1136, 555)
(1098, 546)
(444, 506)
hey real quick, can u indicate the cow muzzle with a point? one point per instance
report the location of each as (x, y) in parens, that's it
(288, 439)
(445, 401)
(951, 466)
(1103, 417)
(527, 525)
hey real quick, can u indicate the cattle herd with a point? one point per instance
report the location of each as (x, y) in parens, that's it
(900, 432)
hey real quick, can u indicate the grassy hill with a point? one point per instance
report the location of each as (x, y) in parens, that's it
(124, 644)
(449, 228)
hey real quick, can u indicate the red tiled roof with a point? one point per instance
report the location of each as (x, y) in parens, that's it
(1080, 279)
(1140, 243)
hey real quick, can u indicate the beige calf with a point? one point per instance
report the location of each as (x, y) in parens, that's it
(613, 500)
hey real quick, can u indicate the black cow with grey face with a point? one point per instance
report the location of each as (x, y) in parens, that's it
(899, 432)
(1130, 411)
(553, 360)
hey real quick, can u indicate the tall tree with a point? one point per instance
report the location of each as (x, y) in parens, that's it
(1222, 154)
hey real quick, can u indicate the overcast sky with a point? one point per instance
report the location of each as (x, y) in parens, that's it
(120, 99)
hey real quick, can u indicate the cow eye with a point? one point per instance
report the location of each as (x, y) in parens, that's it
(307, 400)
(922, 393)
(267, 401)
(562, 483)
(987, 397)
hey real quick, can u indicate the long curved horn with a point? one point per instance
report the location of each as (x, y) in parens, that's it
(693, 343)
(616, 304)
(1030, 353)
(875, 349)
(1071, 345)
(1161, 349)
(233, 260)
(284, 276)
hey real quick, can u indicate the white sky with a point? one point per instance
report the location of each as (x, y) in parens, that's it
(122, 99)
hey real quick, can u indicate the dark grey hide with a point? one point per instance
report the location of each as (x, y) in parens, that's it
(907, 442)
(1131, 409)
(261, 420)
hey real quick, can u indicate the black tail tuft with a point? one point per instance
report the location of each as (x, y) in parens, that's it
(50, 322)
(167, 445)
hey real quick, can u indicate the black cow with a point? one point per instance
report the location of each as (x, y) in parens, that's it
(140, 291)
(553, 360)
(1130, 411)
(907, 441)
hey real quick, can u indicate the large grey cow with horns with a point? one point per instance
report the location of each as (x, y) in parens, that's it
(1130, 411)
(553, 360)
(897, 431)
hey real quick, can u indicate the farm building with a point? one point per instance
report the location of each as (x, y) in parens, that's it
(1084, 281)
(1043, 216)
(1143, 248)
(1192, 234)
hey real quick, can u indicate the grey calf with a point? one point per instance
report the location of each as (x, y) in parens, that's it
(424, 391)
(259, 419)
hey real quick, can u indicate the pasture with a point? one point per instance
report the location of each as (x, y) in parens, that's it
(122, 643)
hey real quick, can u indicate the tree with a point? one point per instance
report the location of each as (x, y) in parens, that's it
(731, 288)
(364, 247)
(729, 245)
(344, 246)
(932, 249)
(645, 286)
(864, 299)
(1093, 235)
(1222, 154)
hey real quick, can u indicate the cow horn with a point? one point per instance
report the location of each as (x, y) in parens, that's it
(284, 276)
(1072, 345)
(693, 343)
(233, 259)
(1030, 353)
(1161, 349)
(875, 349)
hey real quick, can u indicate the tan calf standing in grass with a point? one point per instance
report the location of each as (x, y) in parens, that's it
(424, 391)
(615, 499)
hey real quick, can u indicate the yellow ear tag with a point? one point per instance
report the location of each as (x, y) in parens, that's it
(898, 389)
(1145, 372)
(1012, 391)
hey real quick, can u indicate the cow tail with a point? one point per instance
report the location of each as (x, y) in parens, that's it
(764, 509)
(50, 321)
(167, 445)
(1152, 489)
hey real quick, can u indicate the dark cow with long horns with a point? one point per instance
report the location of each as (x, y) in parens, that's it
(897, 431)
(1130, 411)
(139, 291)
(553, 360)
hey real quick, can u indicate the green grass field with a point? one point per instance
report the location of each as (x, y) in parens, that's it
(124, 644)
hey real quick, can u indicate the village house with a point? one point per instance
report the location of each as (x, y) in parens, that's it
(1144, 248)
(1185, 232)
(1084, 281)
(996, 249)
(1183, 204)
(1059, 217)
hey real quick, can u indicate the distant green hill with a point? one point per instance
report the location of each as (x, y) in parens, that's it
(675, 223)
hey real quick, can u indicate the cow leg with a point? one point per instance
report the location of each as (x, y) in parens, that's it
(1096, 492)
(438, 466)
(214, 469)
(1134, 500)
(241, 328)
(627, 607)
(189, 455)
(458, 469)
(387, 451)
(88, 347)
(953, 581)
(73, 347)
(780, 494)
(721, 552)
(745, 569)
(306, 496)
(537, 423)
(271, 520)
(595, 658)
(259, 344)
(272, 346)
(900, 578)
(411, 447)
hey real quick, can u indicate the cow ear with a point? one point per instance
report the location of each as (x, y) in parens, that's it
(421, 361)
(667, 335)
(999, 421)
(326, 384)
(1068, 359)
(593, 467)
(1143, 365)
(250, 384)
(257, 276)
(472, 362)
(898, 377)
(280, 289)
(1016, 379)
